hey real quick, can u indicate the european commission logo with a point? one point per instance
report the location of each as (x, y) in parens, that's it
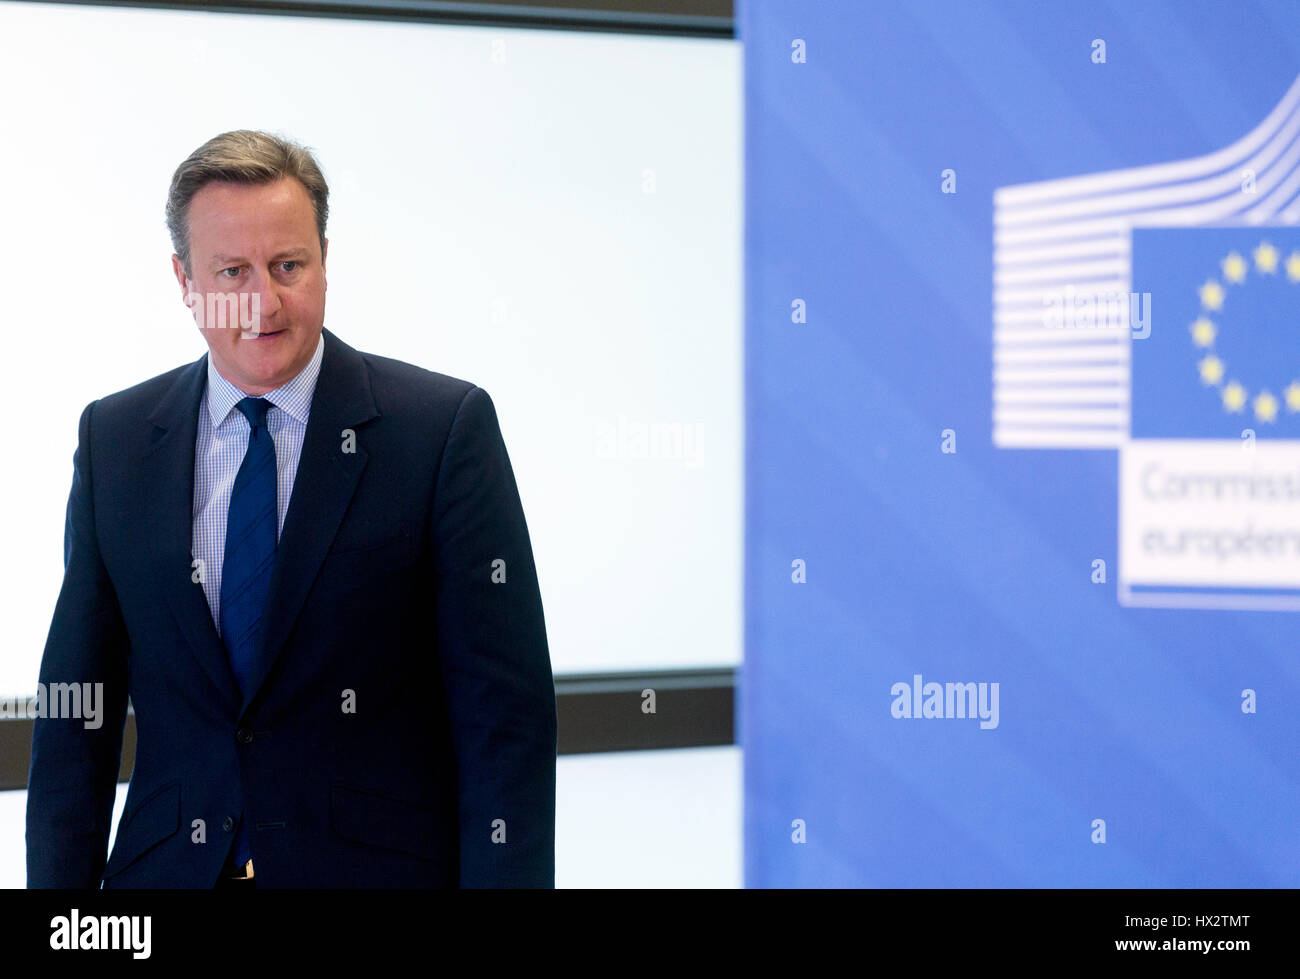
(1156, 311)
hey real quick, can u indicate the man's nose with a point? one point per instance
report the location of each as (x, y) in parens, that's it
(263, 299)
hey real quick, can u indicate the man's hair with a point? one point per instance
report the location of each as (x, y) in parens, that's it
(242, 156)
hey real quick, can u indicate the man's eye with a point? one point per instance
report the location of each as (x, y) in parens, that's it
(286, 265)
(233, 268)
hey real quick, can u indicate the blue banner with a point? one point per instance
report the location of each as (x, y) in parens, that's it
(1022, 556)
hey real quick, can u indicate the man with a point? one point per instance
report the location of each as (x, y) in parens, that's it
(309, 570)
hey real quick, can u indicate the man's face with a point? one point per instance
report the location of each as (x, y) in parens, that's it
(258, 286)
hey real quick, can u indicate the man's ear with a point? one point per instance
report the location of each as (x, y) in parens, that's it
(192, 300)
(325, 247)
(179, 271)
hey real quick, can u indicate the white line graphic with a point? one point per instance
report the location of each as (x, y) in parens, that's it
(1075, 234)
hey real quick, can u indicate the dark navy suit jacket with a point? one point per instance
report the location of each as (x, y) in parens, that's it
(400, 727)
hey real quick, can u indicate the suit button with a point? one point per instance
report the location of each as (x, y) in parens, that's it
(228, 824)
(244, 736)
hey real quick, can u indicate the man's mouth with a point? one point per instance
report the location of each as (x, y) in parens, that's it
(262, 335)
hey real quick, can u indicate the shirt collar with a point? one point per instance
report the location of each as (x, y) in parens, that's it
(293, 397)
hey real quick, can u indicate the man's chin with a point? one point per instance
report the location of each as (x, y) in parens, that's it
(258, 374)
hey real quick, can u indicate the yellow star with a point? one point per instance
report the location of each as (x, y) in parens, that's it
(1203, 332)
(1234, 268)
(1212, 295)
(1293, 267)
(1212, 372)
(1292, 393)
(1266, 407)
(1266, 257)
(1234, 396)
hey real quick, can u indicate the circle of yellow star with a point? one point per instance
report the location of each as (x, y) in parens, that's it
(1212, 372)
(1212, 295)
(1266, 258)
(1266, 407)
(1292, 395)
(1234, 268)
(1203, 332)
(1234, 396)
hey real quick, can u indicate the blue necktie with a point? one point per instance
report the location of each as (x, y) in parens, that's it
(252, 526)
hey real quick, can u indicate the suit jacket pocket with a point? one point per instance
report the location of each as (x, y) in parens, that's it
(148, 824)
(379, 820)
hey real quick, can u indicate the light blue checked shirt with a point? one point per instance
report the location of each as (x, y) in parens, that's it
(219, 450)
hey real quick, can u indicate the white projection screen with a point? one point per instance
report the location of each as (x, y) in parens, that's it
(555, 216)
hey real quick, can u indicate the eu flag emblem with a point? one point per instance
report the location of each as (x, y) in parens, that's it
(1223, 354)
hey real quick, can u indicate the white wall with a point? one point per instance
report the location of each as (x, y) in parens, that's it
(491, 219)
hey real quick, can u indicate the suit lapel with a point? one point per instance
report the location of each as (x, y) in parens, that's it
(322, 488)
(167, 477)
